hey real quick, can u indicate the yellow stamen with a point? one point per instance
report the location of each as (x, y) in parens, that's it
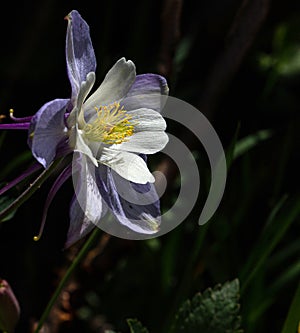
(112, 125)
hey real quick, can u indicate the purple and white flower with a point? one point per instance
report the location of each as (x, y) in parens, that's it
(109, 133)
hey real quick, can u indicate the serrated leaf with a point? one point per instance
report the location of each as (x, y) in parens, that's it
(214, 311)
(136, 327)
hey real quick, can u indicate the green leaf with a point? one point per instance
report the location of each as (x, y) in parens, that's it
(292, 321)
(232, 145)
(5, 201)
(16, 163)
(239, 147)
(214, 311)
(136, 326)
(250, 141)
(13, 206)
(279, 221)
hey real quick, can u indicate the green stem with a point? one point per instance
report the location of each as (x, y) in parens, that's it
(293, 318)
(82, 253)
(30, 190)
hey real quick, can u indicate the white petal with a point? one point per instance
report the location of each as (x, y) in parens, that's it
(147, 120)
(144, 143)
(85, 87)
(129, 166)
(81, 146)
(116, 84)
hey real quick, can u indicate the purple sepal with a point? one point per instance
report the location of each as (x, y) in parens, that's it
(124, 199)
(146, 92)
(80, 54)
(47, 130)
(80, 225)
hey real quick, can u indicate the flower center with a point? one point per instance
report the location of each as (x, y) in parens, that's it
(112, 125)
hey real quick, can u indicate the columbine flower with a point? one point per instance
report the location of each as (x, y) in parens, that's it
(109, 133)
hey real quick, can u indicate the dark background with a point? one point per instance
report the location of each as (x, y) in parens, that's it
(239, 63)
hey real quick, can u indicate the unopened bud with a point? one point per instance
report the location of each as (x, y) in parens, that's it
(9, 308)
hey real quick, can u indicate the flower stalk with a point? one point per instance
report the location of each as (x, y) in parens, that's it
(82, 253)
